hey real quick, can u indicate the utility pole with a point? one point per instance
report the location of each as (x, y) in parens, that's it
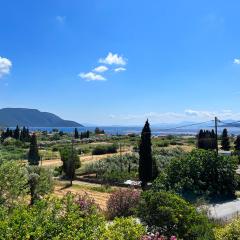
(72, 165)
(120, 148)
(216, 133)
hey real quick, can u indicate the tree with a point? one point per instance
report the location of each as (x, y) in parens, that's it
(33, 155)
(71, 162)
(145, 156)
(13, 183)
(225, 140)
(237, 144)
(169, 215)
(16, 133)
(40, 182)
(200, 173)
(76, 134)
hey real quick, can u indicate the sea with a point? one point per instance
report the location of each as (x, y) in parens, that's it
(120, 130)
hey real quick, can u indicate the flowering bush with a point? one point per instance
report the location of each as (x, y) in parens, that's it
(87, 205)
(122, 203)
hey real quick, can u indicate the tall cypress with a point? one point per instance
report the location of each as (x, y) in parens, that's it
(16, 133)
(237, 143)
(225, 140)
(33, 155)
(145, 156)
(76, 134)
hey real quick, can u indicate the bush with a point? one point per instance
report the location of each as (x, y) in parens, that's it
(200, 173)
(230, 231)
(122, 203)
(104, 149)
(170, 215)
(123, 229)
(51, 218)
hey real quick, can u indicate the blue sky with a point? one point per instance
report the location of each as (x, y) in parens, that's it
(119, 62)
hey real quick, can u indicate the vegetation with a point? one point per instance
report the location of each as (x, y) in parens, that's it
(147, 169)
(206, 140)
(122, 203)
(33, 155)
(200, 173)
(225, 140)
(71, 161)
(104, 149)
(170, 215)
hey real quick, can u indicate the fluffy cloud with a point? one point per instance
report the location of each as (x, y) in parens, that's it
(91, 76)
(120, 69)
(100, 69)
(236, 61)
(113, 59)
(5, 66)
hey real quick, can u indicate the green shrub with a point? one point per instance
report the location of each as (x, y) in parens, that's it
(171, 215)
(104, 149)
(229, 232)
(52, 218)
(200, 173)
(123, 229)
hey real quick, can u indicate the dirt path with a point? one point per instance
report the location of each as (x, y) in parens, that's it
(84, 159)
(100, 198)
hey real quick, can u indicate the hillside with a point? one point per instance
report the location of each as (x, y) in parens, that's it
(32, 118)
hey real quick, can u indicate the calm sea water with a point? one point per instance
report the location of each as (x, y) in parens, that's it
(136, 130)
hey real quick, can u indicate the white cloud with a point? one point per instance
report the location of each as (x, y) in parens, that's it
(176, 117)
(100, 69)
(91, 76)
(236, 61)
(5, 66)
(61, 19)
(120, 69)
(113, 59)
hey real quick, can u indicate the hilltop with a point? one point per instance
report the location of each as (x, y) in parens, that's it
(32, 118)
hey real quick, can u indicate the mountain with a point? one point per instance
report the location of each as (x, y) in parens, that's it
(12, 117)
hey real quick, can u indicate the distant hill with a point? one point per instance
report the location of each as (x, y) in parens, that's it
(32, 118)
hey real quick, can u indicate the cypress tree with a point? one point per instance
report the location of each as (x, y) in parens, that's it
(16, 133)
(145, 156)
(237, 143)
(225, 140)
(76, 134)
(33, 155)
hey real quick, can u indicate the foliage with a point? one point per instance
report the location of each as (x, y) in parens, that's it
(13, 183)
(122, 203)
(40, 182)
(104, 149)
(87, 205)
(116, 168)
(171, 215)
(71, 161)
(230, 231)
(33, 155)
(200, 173)
(206, 140)
(225, 140)
(51, 219)
(237, 144)
(145, 156)
(123, 229)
